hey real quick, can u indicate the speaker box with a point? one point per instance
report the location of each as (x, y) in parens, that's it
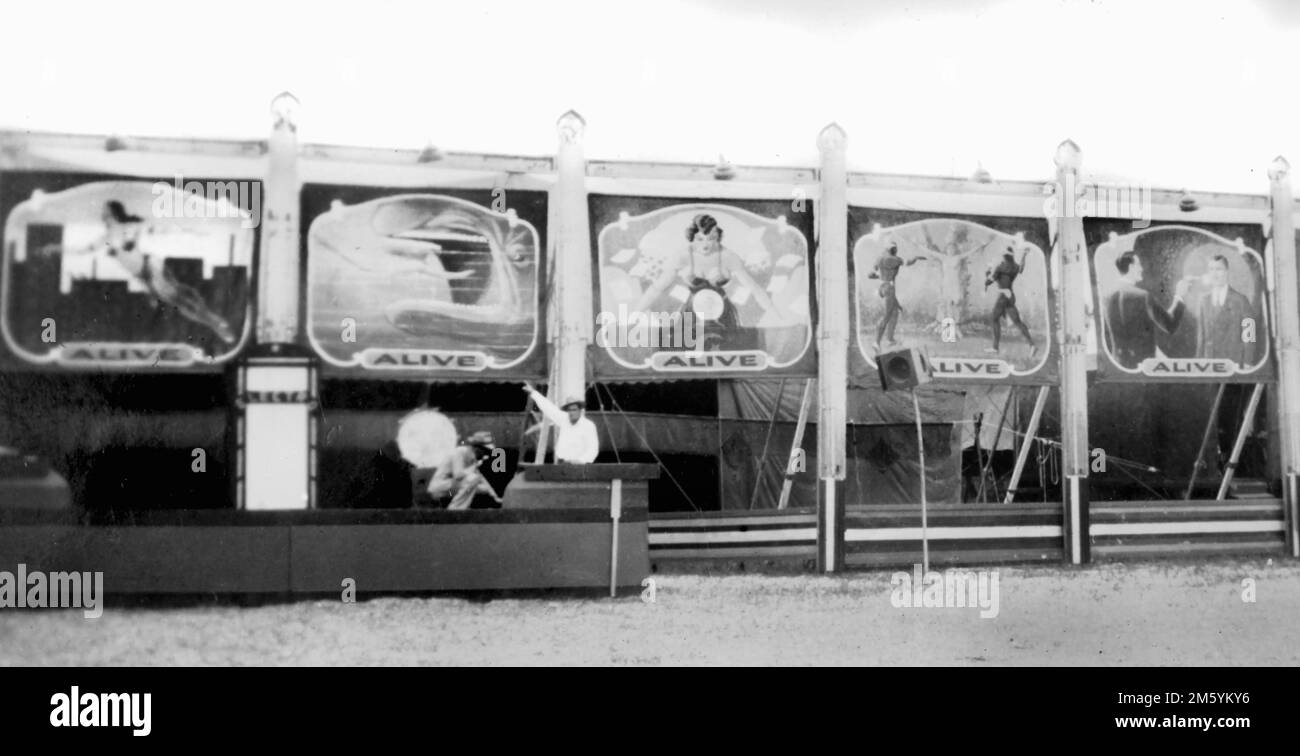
(903, 368)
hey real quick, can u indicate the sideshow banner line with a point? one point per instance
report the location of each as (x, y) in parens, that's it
(1180, 302)
(702, 289)
(430, 283)
(126, 273)
(974, 291)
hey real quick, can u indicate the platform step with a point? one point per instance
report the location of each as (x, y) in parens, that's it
(1249, 488)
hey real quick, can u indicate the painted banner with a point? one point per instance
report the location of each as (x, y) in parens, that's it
(972, 291)
(430, 284)
(1180, 302)
(702, 289)
(108, 272)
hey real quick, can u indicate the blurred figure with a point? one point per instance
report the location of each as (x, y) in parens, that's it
(458, 480)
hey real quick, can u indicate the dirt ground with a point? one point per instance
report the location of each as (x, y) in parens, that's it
(1112, 614)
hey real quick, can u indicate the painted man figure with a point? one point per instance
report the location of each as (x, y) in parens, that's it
(886, 270)
(1132, 314)
(1220, 324)
(1004, 276)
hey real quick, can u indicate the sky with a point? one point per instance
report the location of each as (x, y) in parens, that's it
(1192, 94)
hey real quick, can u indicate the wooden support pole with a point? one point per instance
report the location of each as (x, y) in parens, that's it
(1287, 312)
(1075, 281)
(277, 449)
(1247, 424)
(832, 342)
(925, 518)
(280, 259)
(767, 439)
(796, 445)
(615, 515)
(1039, 404)
(1205, 440)
(572, 295)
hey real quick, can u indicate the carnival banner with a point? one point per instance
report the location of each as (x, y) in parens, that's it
(1180, 302)
(109, 272)
(699, 289)
(972, 291)
(429, 284)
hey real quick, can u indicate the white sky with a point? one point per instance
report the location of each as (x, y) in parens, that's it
(1178, 94)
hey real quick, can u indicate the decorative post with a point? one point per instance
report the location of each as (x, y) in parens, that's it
(277, 290)
(571, 289)
(277, 385)
(1287, 312)
(1071, 246)
(832, 346)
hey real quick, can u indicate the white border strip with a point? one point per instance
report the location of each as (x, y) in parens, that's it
(1222, 526)
(734, 536)
(860, 535)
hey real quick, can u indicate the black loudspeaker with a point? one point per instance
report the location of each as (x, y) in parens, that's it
(903, 368)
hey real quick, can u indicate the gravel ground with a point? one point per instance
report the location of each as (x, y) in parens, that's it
(1140, 614)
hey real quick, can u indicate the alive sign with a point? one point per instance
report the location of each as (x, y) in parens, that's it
(422, 359)
(1185, 368)
(962, 367)
(708, 361)
(162, 355)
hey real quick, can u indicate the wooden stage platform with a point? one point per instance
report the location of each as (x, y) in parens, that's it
(313, 552)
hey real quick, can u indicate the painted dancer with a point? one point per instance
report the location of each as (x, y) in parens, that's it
(122, 235)
(886, 270)
(1004, 275)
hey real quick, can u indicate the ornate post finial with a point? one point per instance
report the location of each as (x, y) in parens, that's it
(571, 126)
(1279, 169)
(284, 110)
(832, 137)
(1069, 156)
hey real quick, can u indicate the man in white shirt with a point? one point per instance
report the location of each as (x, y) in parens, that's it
(577, 441)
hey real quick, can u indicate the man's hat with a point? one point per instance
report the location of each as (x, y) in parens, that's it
(574, 402)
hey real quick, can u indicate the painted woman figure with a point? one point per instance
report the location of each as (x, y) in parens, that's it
(122, 236)
(707, 267)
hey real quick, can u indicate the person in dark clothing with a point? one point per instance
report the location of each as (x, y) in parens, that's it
(1220, 318)
(1132, 314)
(1004, 277)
